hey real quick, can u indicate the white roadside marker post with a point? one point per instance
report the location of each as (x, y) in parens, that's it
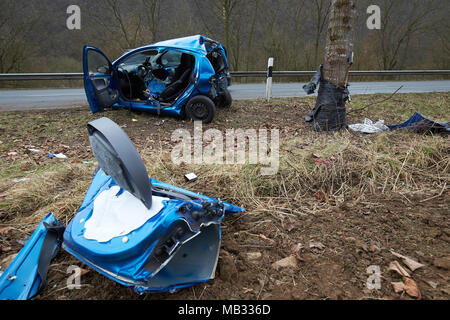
(269, 79)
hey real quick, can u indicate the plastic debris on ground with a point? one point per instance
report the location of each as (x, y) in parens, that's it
(369, 126)
(329, 113)
(190, 176)
(59, 156)
(16, 180)
(419, 123)
(26, 274)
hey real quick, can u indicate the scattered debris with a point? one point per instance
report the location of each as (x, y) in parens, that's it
(5, 249)
(59, 156)
(190, 176)
(23, 240)
(247, 290)
(399, 287)
(251, 256)
(395, 266)
(265, 238)
(34, 150)
(288, 262)
(369, 127)
(17, 180)
(350, 239)
(134, 120)
(296, 248)
(374, 248)
(322, 162)
(411, 288)
(410, 263)
(317, 245)
(408, 285)
(432, 283)
(418, 123)
(12, 153)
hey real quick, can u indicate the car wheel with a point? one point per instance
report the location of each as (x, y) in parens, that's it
(201, 108)
(224, 100)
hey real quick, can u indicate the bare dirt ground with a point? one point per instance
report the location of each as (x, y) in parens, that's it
(338, 204)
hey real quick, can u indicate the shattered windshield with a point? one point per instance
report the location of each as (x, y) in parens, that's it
(139, 58)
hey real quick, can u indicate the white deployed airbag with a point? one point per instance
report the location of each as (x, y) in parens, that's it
(115, 216)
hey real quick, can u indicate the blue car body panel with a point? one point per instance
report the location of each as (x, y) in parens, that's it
(421, 124)
(135, 263)
(202, 85)
(87, 80)
(20, 281)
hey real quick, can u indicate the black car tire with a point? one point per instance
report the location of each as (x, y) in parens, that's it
(201, 108)
(224, 100)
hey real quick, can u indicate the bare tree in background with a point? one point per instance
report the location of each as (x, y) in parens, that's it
(414, 33)
(152, 14)
(401, 21)
(128, 23)
(322, 10)
(14, 50)
(129, 31)
(444, 44)
(252, 32)
(230, 13)
(223, 10)
(297, 7)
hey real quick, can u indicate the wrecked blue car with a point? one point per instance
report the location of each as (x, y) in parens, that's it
(140, 232)
(185, 77)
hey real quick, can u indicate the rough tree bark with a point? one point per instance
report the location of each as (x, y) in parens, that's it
(329, 112)
(339, 44)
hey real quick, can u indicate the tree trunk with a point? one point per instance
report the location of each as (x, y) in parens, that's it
(339, 44)
(329, 113)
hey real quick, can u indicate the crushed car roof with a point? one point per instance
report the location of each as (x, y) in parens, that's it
(193, 43)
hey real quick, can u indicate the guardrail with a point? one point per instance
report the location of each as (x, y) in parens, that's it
(237, 74)
(352, 73)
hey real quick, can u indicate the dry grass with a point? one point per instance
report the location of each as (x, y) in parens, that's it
(306, 199)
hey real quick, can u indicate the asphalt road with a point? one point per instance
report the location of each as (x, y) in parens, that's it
(67, 98)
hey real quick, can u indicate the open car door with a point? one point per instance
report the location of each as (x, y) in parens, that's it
(98, 79)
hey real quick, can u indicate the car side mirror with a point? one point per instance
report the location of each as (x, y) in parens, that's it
(118, 157)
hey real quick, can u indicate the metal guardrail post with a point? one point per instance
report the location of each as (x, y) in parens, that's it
(269, 79)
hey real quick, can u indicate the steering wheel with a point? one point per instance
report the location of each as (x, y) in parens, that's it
(142, 72)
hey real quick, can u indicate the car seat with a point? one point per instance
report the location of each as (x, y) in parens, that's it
(182, 76)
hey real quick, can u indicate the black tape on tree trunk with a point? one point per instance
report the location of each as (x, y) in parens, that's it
(329, 114)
